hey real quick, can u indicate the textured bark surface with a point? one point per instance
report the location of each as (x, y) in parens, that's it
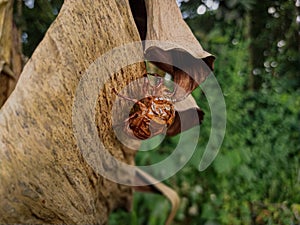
(43, 177)
(10, 51)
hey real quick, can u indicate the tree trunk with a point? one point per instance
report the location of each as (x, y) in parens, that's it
(10, 51)
(257, 22)
(43, 176)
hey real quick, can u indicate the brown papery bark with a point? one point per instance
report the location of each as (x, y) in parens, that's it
(43, 176)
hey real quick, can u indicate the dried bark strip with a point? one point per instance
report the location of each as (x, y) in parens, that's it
(43, 177)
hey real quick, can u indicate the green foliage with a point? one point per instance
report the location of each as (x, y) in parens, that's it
(34, 20)
(156, 211)
(255, 177)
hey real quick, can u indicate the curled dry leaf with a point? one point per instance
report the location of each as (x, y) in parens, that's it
(188, 72)
(184, 58)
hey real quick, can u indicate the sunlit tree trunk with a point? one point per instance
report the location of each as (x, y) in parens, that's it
(43, 177)
(10, 51)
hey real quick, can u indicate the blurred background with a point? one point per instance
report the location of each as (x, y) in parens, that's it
(255, 179)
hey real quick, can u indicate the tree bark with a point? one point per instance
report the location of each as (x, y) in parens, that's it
(43, 176)
(10, 51)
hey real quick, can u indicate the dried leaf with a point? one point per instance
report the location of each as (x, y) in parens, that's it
(183, 57)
